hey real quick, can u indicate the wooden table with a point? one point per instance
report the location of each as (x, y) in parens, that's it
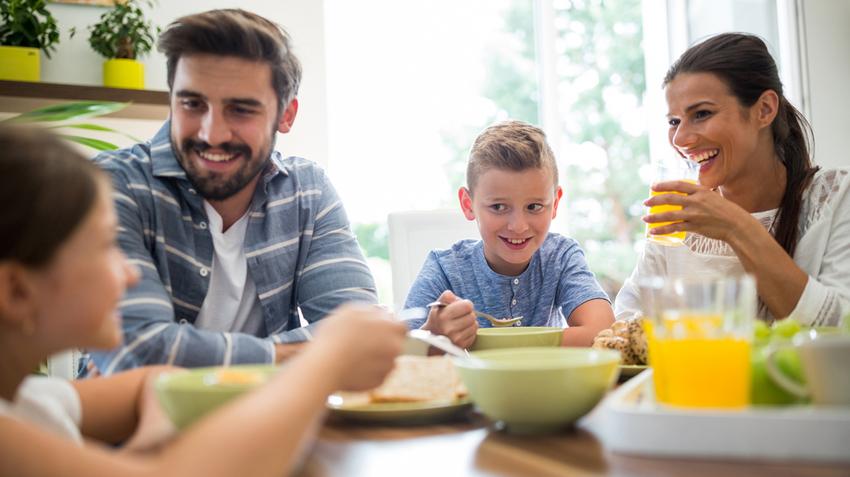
(473, 447)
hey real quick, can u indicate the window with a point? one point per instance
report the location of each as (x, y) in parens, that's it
(408, 94)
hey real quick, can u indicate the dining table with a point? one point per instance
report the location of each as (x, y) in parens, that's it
(472, 445)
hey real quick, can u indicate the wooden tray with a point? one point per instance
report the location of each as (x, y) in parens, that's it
(630, 421)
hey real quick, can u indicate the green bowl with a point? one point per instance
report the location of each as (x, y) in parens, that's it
(188, 395)
(532, 390)
(517, 337)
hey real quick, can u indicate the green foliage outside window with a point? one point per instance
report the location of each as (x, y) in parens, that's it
(373, 240)
(607, 38)
(599, 57)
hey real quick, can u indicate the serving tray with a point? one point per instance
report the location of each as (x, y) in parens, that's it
(630, 421)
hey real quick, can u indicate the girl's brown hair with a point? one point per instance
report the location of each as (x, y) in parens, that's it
(46, 190)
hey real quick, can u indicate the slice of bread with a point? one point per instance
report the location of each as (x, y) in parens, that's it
(420, 378)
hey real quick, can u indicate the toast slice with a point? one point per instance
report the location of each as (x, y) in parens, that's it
(420, 378)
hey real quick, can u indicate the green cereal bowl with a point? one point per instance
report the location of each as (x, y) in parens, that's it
(534, 390)
(517, 337)
(188, 395)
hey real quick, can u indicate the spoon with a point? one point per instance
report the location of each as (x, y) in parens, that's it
(492, 319)
(439, 342)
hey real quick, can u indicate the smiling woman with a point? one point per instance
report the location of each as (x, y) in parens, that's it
(760, 206)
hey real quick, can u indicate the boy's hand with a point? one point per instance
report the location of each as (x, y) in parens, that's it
(362, 341)
(456, 320)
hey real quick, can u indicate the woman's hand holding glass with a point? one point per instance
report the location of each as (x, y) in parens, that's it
(703, 211)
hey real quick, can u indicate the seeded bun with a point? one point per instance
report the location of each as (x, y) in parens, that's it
(627, 337)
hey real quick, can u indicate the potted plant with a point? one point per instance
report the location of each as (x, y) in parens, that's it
(25, 27)
(121, 36)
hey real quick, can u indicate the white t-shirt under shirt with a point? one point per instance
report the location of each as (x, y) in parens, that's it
(823, 252)
(49, 403)
(231, 303)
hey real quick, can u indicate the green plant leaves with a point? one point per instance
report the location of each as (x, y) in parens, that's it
(96, 127)
(28, 23)
(75, 111)
(123, 32)
(91, 142)
(68, 111)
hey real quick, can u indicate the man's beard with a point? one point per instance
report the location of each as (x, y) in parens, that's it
(213, 186)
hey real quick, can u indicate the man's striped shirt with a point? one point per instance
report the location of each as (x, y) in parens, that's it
(300, 249)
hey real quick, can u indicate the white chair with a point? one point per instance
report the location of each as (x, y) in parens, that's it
(413, 234)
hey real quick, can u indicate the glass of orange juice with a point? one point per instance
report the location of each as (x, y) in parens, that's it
(669, 169)
(698, 333)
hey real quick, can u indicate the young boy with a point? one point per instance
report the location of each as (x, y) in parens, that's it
(517, 268)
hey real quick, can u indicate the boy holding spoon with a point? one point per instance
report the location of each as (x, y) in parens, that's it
(517, 268)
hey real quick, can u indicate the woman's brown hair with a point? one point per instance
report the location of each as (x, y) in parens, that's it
(46, 190)
(743, 62)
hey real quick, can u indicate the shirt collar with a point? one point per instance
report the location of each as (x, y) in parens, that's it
(492, 275)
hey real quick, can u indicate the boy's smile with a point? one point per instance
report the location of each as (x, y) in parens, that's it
(516, 243)
(514, 210)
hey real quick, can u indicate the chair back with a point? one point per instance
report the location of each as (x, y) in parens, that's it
(413, 234)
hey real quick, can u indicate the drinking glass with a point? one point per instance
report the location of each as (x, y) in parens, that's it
(669, 169)
(699, 332)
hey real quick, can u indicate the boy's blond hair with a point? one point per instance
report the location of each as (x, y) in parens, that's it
(510, 145)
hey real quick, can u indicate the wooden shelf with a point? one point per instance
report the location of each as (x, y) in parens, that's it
(21, 96)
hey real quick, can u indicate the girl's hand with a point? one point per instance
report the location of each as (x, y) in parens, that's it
(704, 211)
(154, 428)
(362, 342)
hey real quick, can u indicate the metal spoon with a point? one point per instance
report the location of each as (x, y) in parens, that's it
(492, 319)
(439, 342)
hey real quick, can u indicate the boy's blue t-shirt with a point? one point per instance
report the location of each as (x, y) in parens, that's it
(555, 283)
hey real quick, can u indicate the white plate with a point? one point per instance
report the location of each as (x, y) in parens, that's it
(353, 408)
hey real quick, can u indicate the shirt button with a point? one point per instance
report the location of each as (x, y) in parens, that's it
(204, 271)
(513, 302)
(202, 225)
(184, 321)
(516, 281)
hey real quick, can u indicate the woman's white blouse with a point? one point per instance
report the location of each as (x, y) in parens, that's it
(823, 252)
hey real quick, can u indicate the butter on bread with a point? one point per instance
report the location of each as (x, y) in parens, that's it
(420, 378)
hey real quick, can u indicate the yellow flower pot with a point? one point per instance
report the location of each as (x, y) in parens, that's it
(20, 63)
(123, 73)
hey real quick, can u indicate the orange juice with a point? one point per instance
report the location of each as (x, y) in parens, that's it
(652, 352)
(695, 365)
(671, 239)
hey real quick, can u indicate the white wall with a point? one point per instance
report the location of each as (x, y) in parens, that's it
(75, 62)
(827, 55)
